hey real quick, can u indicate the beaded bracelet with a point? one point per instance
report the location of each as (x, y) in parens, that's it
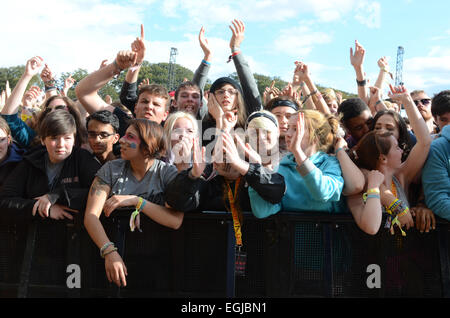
(109, 252)
(104, 247)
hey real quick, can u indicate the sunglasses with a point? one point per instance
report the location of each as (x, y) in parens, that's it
(58, 107)
(425, 101)
(103, 134)
(221, 92)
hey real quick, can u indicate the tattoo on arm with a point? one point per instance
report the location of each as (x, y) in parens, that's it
(98, 186)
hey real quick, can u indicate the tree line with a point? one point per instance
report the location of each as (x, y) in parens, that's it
(156, 73)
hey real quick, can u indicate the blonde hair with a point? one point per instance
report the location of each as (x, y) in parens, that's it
(322, 129)
(329, 95)
(263, 122)
(170, 122)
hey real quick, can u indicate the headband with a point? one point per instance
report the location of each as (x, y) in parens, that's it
(285, 102)
(260, 114)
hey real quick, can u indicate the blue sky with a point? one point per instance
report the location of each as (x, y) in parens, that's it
(81, 33)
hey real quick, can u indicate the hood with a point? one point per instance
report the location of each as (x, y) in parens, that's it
(446, 132)
(15, 154)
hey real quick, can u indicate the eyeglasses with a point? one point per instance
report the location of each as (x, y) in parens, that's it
(103, 134)
(221, 92)
(425, 101)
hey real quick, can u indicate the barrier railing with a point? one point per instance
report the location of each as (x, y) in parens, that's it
(288, 255)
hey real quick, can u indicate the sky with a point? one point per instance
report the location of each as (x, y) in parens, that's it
(81, 33)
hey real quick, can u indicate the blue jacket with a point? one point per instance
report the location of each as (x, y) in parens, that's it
(20, 131)
(319, 190)
(436, 175)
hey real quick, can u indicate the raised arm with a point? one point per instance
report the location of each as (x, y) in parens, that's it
(353, 177)
(418, 155)
(384, 70)
(250, 90)
(13, 102)
(128, 93)
(87, 88)
(302, 72)
(49, 82)
(375, 101)
(357, 60)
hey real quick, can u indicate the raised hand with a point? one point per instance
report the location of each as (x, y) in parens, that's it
(383, 63)
(103, 64)
(357, 58)
(301, 73)
(214, 108)
(46, 74)
(238, 30)
(138, 47)
(198, 159)
(33, 65)
(399, 94)
(249, 152)
(204, 44)
(2, 99)
(296, 140)
(68, 83)
(145, 81)
(31, 95)
(7, 90)
(126, 59)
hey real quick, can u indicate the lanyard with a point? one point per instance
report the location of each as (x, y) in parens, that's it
(234, 211)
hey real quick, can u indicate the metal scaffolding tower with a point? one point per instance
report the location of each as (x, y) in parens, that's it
(171, 80)
(399, 70)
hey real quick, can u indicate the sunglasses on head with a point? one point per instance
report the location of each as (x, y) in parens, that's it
(425, 101)
(58, 107)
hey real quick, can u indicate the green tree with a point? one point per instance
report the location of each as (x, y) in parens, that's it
(13, 74)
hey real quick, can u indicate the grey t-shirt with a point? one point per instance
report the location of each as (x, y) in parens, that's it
(117, 174)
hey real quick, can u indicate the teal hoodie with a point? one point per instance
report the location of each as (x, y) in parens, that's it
(319, 189)
(436, 175)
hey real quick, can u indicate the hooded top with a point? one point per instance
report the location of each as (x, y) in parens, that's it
(436, 175)
(319, 188)
(15, 155)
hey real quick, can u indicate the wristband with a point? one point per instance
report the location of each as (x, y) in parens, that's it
(104, 247)
(339, 149)
(361, 83)
(109, 252)
(139, 207)
(206, 62)
(49, 88)
(231, 56)
(117, 66)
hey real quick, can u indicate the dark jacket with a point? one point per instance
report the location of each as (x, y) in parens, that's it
(15, 155)
(202, 195)
(29, 180)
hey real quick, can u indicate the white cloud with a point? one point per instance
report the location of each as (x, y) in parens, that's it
(299, 41)
(369, 14)
(431, 72)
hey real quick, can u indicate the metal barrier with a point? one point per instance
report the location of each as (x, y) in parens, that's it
(288, 255)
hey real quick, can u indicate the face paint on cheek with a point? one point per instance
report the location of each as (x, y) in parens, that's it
(132, 141)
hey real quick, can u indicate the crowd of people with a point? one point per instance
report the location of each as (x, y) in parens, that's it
(224, 149)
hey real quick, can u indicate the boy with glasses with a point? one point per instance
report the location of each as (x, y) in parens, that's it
(102, 128)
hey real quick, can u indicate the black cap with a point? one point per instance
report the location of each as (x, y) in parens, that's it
(222, 81)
